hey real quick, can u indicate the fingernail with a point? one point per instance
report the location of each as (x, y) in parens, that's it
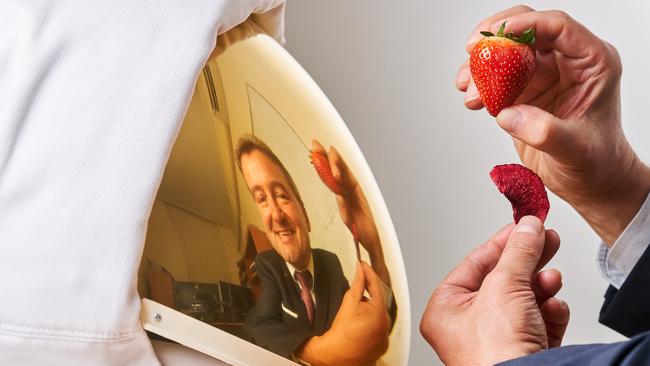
(509, 119)
(529, 224)
(471, 94)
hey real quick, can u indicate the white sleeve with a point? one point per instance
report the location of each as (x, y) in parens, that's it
(268, 14)
(92, 96)
(617, 262)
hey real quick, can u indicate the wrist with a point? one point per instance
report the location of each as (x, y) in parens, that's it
(313, 352)
(375, 254)
(494, 353)
(478, 359)
(611, 210)
(378, 264)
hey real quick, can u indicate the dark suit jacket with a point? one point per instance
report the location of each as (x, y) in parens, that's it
(627, 311)
(268, 325)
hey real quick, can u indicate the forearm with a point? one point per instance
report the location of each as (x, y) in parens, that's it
(378, 263)
(615, 206)
(317, 352)
(379, 266)
(333, 350)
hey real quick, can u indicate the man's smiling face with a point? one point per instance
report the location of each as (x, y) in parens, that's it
(285, 220)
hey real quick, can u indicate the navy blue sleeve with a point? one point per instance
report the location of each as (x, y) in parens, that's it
(633, 352)
(266, 324)
(627, 310)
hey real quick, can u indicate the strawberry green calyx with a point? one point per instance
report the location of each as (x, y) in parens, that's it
(528, 37)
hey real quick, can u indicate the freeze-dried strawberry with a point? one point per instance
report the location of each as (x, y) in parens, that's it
(523, 188)
(322, 166)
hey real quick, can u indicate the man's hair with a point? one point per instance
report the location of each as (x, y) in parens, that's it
(247, 143)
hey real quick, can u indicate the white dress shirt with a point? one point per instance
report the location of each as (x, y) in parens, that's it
(617, 262)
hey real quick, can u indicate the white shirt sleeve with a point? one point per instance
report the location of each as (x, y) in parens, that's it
(617, 262)
(92, 96)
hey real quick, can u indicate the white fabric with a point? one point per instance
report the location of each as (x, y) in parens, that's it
(617, 263)
(92, 94)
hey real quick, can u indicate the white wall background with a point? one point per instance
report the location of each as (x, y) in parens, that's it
(389, 68)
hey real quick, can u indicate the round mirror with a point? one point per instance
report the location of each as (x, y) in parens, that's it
(264, 209)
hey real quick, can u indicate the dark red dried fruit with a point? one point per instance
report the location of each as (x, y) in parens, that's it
(322, 166)
(523, 188)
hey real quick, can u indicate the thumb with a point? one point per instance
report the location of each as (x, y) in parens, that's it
(374, 286)
(358, 285)
(539, 129)
(524, 248)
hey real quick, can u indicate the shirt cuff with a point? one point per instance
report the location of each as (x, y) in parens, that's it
(388, 296)
(299, 361)
(617, 262)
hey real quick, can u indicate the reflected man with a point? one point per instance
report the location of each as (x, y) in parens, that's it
(302, 287)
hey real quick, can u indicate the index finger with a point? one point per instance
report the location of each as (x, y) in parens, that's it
(471, 272)
(317, 147)
(358, 285)
(340, 170)
(554, 30)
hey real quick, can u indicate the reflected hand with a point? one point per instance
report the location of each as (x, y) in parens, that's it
(355, 210)
(567, 124)
(353, 206)
(359, 333)
(495, 305)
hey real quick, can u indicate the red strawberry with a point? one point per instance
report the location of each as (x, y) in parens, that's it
(322, 166)
(501, 66)
(523, 188)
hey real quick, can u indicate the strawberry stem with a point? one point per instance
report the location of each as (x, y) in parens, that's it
(528, 37)
(501, 29)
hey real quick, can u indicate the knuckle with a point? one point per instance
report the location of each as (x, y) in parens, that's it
(525, 249)
(523, 8)
(499, 276)
(615, 59)
(426, 328)
(430, 326)
(561, 14)
(508, 280)
(544, 131)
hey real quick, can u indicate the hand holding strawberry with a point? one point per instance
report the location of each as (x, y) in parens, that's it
(322, 166)
(566, 124)
(353, 206)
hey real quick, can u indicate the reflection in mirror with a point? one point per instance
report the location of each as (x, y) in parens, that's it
(258, 229)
